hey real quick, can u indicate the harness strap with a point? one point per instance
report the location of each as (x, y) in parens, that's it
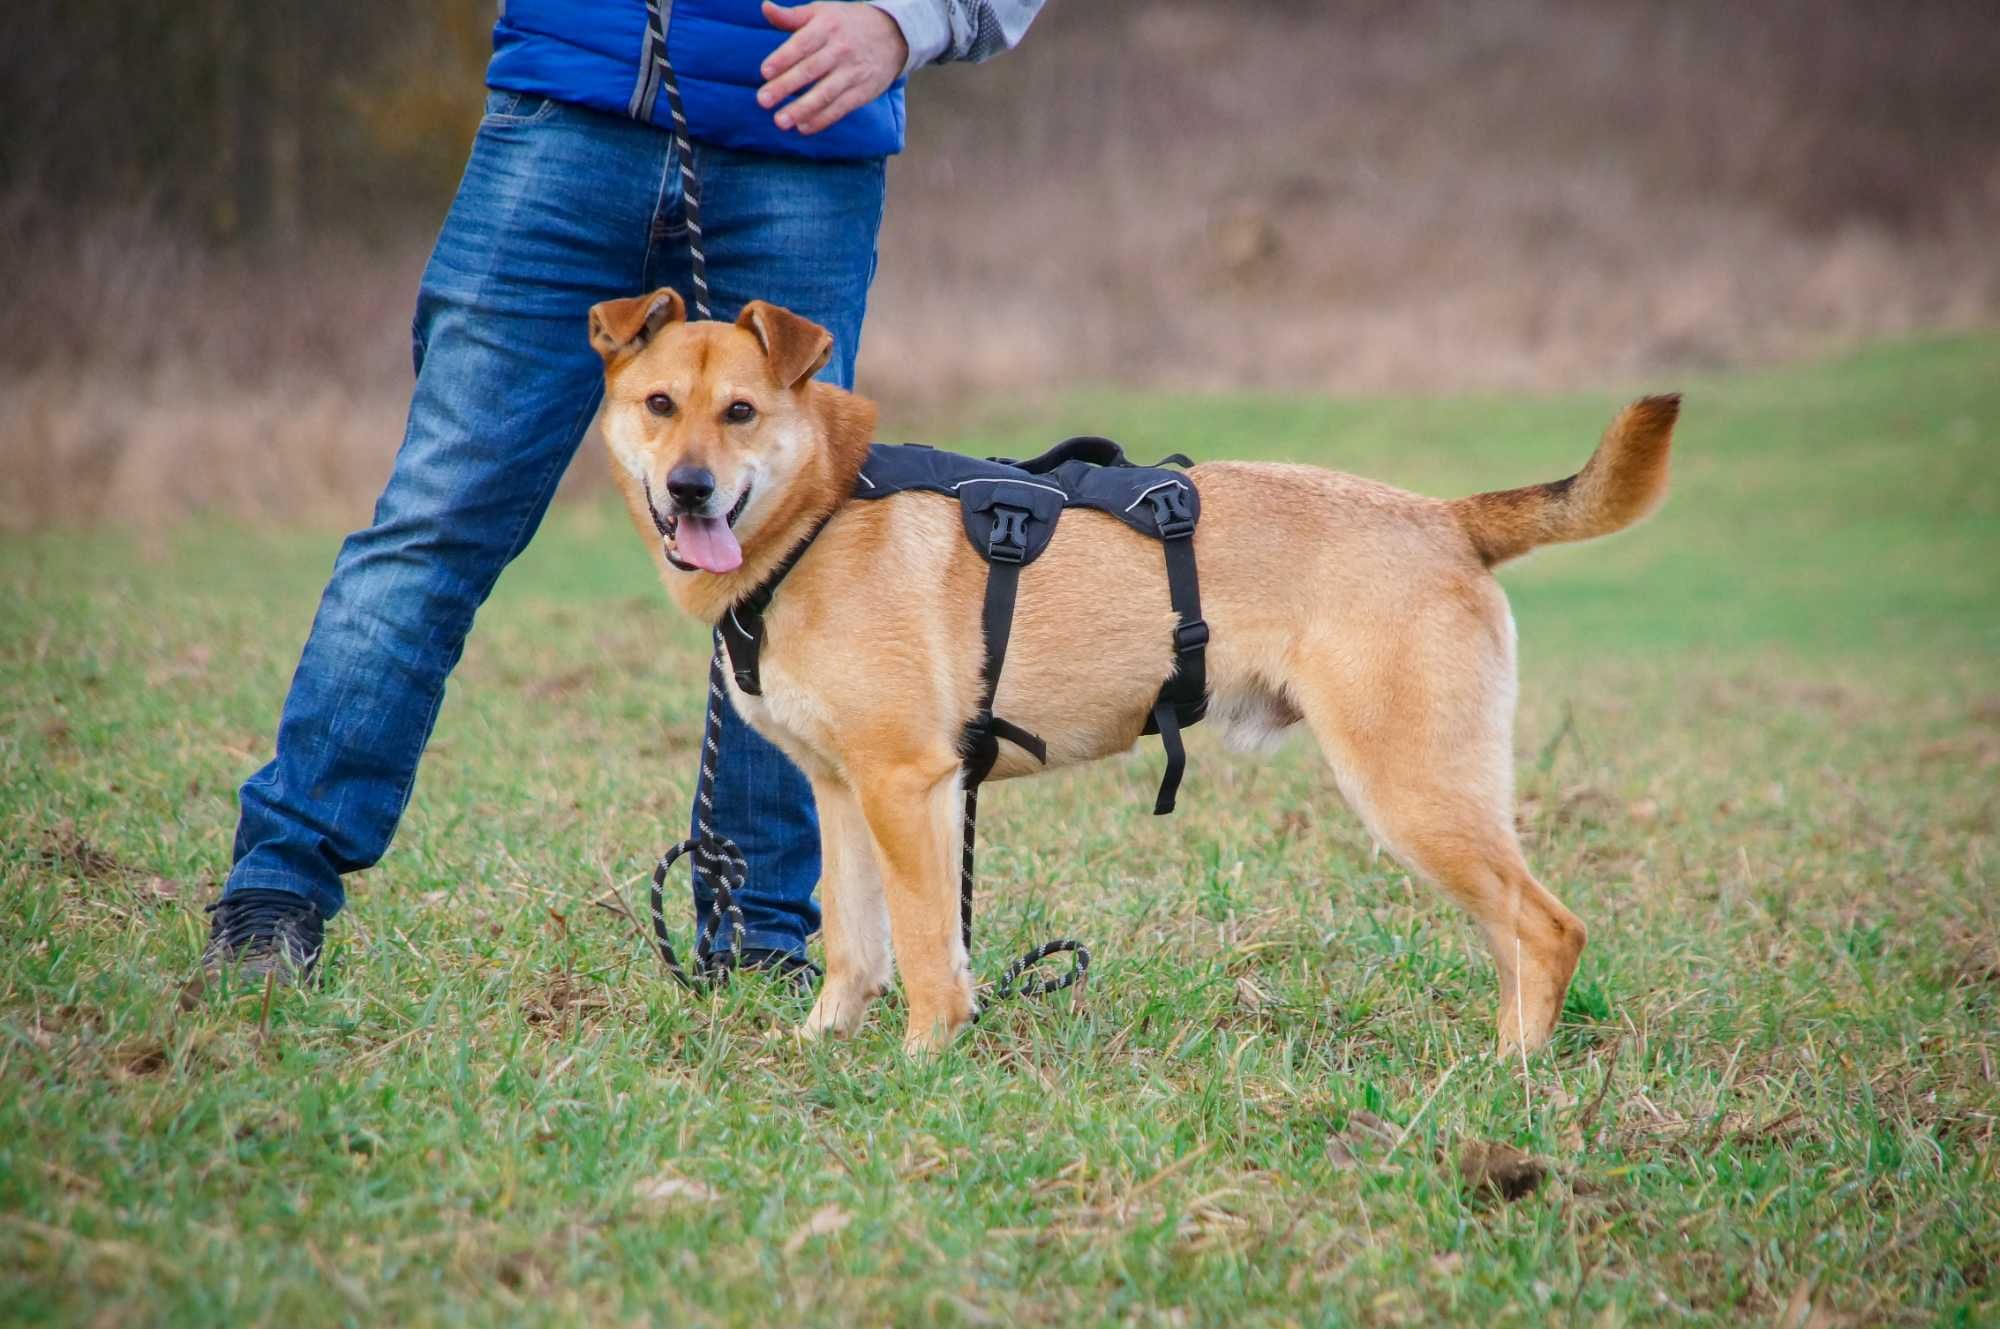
(1168, 726)
(1005, 549)
(1089, 448)
(1184, 697)
(742, 627)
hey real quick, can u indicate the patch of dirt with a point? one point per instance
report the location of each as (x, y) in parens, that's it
(68, 850)
(561, 1001)
(522, 1271)
(1490, 1169)
(141, 1059)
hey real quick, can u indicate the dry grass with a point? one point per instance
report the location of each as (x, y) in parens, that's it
(1434, 196)
(1414, 197)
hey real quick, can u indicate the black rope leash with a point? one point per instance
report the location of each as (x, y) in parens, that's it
(656, 39)
(716, 856)
(1004, 989)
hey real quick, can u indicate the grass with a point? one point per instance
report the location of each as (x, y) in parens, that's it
(1758, 738)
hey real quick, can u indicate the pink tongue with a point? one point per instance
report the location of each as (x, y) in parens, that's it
(709, 544)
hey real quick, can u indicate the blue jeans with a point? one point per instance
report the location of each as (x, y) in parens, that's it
(559, 208)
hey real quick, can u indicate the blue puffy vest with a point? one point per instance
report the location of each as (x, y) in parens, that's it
(596, 53)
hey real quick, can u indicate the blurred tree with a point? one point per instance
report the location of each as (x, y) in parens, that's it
(233, 120)
(420, 105)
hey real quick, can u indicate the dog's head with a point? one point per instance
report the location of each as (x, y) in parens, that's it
(712, 422)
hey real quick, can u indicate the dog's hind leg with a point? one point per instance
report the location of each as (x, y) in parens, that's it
(913, 809)
(1420, 742)
(855, 917)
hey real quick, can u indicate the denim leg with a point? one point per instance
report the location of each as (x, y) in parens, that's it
(554, 214)
(802, 235)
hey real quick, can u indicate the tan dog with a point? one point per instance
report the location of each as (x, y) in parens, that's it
(1367, 612)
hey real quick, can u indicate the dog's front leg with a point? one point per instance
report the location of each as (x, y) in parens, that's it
(912, 807)
(856, 918)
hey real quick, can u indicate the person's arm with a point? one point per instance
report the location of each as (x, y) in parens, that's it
(941, 31)
(841, 55)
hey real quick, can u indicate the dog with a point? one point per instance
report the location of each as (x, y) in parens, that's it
(1368, 613)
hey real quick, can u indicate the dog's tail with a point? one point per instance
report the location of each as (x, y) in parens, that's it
(1624, 481)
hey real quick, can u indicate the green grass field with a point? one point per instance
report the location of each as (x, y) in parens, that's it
(1759, 749)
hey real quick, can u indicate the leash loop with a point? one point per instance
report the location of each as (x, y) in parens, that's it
(1042, 987)
(712, 971)
(1005, 989)
(709, 855)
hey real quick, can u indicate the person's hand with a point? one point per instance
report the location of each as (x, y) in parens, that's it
(838, 57)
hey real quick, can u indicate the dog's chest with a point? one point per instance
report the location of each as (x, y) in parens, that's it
(789, 716)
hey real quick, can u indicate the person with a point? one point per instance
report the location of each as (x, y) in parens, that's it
(573, 194)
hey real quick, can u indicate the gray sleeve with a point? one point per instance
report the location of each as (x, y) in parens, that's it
(939, 31)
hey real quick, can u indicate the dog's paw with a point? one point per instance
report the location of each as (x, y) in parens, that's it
(933, 1035)
(835, 1012)
(923, 1044)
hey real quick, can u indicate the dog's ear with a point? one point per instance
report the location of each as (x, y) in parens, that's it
(619, 327)
(797, 347)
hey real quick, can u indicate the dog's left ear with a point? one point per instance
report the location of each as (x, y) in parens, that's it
(797, 347)
(618, 327)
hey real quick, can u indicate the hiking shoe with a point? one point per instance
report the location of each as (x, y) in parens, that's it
(782, 966)
(264, 933)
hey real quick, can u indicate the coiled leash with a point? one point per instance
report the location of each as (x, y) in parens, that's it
(1012, 974)
(715, 855)
(707, 852)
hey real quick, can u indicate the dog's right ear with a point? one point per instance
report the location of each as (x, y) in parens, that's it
(620, 327)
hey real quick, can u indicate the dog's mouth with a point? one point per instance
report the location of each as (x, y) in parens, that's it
(701, 544)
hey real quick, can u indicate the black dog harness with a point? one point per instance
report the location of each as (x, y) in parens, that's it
(1009, 510)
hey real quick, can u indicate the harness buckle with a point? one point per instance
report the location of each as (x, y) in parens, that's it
(1191, 636)
(1009, 541)
(1171, 512)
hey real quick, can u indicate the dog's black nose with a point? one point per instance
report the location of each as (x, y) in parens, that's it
(690, 486)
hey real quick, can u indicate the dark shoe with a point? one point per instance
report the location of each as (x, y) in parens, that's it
(784, 966)
(264, 933)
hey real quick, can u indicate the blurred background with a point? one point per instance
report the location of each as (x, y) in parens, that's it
(215, 213)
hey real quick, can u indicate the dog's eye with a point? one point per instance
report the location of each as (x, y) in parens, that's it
(739, 411)
(660, 404)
